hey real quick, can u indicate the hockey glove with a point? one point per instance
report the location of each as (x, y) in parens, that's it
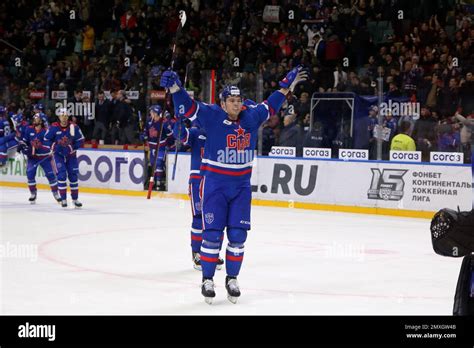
(170, 80)
(294, 77)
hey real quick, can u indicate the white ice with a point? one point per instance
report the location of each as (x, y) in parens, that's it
(130, 255)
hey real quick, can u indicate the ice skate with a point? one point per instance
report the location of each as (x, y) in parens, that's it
(207, 290)
(197, 261)
(57, 197)
(77, 204)
(232, 287)
(32, 198)
(64, 203)
(220, 263)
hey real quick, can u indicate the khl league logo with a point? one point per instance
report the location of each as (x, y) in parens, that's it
(209, 217)
(387, 185)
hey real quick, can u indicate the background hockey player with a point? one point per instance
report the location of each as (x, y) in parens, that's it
(195, 138)
(65, 138)
(39, 109)
(153, 127)
(38, 154)
(227, 167)
(7, 136)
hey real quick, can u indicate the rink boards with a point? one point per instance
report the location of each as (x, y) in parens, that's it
(403, 188)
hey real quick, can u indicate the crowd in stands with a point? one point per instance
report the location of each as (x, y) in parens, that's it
(423, 51)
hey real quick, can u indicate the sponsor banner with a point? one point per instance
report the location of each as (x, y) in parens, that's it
(283, 151)
(180, 182)
(132, 94)
(271, 14)
(418, 187)
(405, 156)
(97, 169)
(350, 154)
(37, 94)
(108, 95)
(311, 152)
(59, 95)
(111, 169)
(155, 94)
(447, 157)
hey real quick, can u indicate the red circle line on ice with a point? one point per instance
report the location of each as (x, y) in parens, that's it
(44, 253)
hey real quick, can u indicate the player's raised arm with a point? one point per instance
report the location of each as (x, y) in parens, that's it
(274, 102)
(183, 103)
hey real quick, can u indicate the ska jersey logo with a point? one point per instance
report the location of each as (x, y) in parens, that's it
(387, 185)
(64, 141)
(36, 143)
(153, 132)
(239, 141)
(209, 217)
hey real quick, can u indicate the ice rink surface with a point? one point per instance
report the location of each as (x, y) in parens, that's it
(130, 255)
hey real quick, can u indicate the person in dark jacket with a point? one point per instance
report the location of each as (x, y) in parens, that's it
(316, 137)
(424, 133)
(121, 115)
(290, 134)
(102, 116)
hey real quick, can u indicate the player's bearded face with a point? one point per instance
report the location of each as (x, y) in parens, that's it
(36, 121)
(233, 106)
(63, 119)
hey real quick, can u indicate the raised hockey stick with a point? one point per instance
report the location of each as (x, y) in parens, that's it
(182, 17)
(178, 141)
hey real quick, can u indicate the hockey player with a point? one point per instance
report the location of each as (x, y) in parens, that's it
(65, 138)
(6, 136)
(38, 155)
(195, 138)
(150, 134)
(39, 109)
(227, 167)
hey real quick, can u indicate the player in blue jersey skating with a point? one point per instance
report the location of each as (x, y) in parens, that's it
(151, 132)
(226, 168)
(38, 154)
(65, 138)
(195, 138)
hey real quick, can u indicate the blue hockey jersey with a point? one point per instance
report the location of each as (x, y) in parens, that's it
(61, 140)
(152, 129)
(230, 145)
(195, 138)
(34, 140)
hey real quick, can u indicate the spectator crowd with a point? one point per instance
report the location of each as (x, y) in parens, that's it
(97, 50)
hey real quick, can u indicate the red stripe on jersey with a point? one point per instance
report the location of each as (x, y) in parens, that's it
(195, 176)
(233, 258)
(191, 110)
(226, 172)
(208, 259)
(198, 238)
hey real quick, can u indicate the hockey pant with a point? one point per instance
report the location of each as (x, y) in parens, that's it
(224, 205)
(47, 164)
(160, 165)
(67, 168)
